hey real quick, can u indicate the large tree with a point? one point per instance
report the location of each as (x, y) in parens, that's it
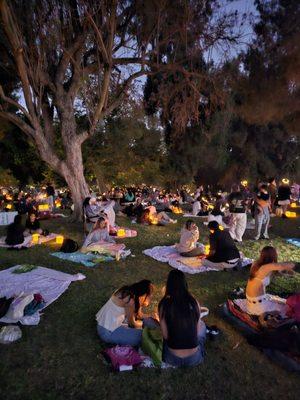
(76, 59)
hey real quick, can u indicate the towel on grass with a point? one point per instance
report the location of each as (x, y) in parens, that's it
(294, 241)
(49, 283)
(190, 265)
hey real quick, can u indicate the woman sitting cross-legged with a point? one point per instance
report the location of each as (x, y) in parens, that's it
(258, 302)
(183, 330)
(223, 252)
(187, 246)
(98, 240)
(121, 318)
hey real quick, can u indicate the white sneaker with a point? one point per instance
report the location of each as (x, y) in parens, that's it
(266, 236)
(256, 238)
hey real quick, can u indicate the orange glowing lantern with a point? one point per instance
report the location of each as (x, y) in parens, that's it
(293, 205)
(59, 239)
(207, 249)
(291, 214)
(9, 206)
(121, 233)
(35, 238)
(153, 220)
(176, 210)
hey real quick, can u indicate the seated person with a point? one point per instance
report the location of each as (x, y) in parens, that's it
(91, 208)
(223, 252)
(260, 275)
(196, 206)
(129, 196)
(15, 232)
(120, 320)
(99, 233)
(182, 328)
(32, 224)
(187, 246)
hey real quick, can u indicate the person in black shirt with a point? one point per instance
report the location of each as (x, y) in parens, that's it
(223, 252)
(15, 232)
(32, 224)
(284, 196)
(181, 325)
(237, 207)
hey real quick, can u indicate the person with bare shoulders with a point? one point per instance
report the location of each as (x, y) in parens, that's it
(258, 301)
(121, 318)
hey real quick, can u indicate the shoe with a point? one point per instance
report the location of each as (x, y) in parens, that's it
(256, 238)
(266, 237)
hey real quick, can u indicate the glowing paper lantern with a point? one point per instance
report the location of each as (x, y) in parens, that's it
(35, 238)
(294, 205)
(291, 214)
(244, 183)
(121, 233)
(176, 210)
(9, 206)
(59, 239)
(43, 207)
(207, 249)
(286, 181)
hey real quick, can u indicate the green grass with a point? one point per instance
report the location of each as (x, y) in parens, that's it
(60, 358)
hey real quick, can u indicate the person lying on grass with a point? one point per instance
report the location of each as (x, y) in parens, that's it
(121, 318)
(260, 276)
(183, 330)
(187, 247)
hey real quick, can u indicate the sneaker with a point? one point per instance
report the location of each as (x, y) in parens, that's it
(266, 237)
(256, 238)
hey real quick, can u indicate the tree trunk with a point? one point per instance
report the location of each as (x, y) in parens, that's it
(73, 174)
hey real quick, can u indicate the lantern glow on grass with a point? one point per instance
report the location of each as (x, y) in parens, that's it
(121, 233)
(35, 238)
(59, 239)
(291, 214)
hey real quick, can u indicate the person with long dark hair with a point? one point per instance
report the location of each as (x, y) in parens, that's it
(183, 330)
(223, 253)
(258, 301)
(121, 318)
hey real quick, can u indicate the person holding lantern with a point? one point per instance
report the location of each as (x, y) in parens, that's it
(223, 252)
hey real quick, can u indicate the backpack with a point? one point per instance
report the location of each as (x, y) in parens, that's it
(69, 246)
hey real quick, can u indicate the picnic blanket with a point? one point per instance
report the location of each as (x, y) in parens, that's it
(190, 265)
(49, 283)
(194, 216)
(28, 241)
(90, 260)
(294, 241)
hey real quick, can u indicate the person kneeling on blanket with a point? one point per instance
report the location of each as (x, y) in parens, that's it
(183, 330)
(258, 302)
(121, 318)
(223, 252)
(187, 246)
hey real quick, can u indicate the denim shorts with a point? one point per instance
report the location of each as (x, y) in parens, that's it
(190, 361)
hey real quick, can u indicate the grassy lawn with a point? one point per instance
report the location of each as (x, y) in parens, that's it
(60, 358)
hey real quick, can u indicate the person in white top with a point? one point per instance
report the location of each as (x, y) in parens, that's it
(258, 301)
(188, 246)
(120, 319)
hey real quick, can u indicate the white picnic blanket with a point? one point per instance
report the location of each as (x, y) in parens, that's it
(190, 265)
(28, 241)
(194, 216)
(49, 283)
